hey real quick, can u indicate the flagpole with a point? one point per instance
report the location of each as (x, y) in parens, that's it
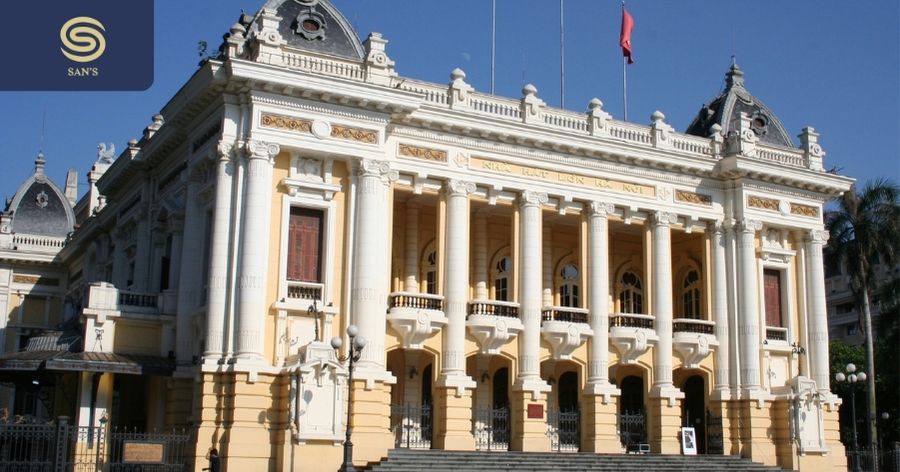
(493, 42)
(624, 78)
(562, 55)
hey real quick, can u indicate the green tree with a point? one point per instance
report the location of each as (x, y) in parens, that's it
(865, 229)
(887, 352)
(839, 355)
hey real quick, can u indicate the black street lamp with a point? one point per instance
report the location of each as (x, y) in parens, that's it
(354, 350)
(850, 380)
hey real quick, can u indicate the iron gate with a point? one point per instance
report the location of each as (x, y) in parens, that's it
(491, 429)
(411, 426)
(633, 431)
(57, 446)
(715, 442)
(564, 429)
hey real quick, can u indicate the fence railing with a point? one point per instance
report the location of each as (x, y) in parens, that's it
(564, 429)
(686, 325)
(491, 429)
(421, 301)
(863, 460)
(627, 320)
(776, 334)
(566, 314)
(411, 426)
(310, 291)
(494, 308)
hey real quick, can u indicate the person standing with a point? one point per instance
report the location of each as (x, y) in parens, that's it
(215, 464)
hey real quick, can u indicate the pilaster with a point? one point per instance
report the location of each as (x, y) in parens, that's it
(665, 423)
(528, 413)
(453, 418)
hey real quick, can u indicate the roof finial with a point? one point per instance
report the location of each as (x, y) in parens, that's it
(735, 76)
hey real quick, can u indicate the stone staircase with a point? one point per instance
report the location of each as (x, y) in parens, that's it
(413, 460)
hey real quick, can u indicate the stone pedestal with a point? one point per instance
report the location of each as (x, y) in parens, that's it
(529, 434)
(371, 421)
(756, 431)
(599, 416)
(665, 425)
(453, 419)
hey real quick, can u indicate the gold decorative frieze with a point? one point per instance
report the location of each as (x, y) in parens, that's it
(763, 203)
(423, 153)
(359, 135)
(804, 210)
(694, 198)
(287, 123)
(565, 178)
(34, 280)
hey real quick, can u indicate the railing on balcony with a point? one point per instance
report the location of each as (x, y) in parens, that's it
(566, 314)
(139, 300)
(494, 308)
(630, 320)
(774, 333)
(688, 325)
(421, 301)
(47, 242)
(297, 290)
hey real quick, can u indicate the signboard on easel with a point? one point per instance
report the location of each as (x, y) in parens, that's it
(688, 441)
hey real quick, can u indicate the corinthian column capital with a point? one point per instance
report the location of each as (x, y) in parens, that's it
(818, 236)
(600, 208)
(532, 198)
(459, 188)
(261, 150)
(750, 226)
(380, 169)
(664, 218)
(224, 151)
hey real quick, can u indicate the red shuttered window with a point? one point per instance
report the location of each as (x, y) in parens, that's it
(772, 287)
(305, 245)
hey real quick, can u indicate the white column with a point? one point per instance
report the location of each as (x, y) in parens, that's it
(661, 241)
(371, 266)
(547, 266)
(217, 298)
(189, 271)
(719, 290)
(598, 295)
(142, 263)
(456, 282)
(748, 308)
(411, 281)
(481, 260)
(254, 256)
(530, 291)
(176, 225)
(817, 312)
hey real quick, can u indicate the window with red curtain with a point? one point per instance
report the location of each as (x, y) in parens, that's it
(305, 245)
(772, 287)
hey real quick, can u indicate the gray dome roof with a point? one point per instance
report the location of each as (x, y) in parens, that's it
(725, 110)
(39, 207)
(317, 26)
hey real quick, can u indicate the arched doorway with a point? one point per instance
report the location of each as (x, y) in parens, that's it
(632, 418)
(568, 391)
(565, 422)
(501, 388)
(693, 409)
(492, 421)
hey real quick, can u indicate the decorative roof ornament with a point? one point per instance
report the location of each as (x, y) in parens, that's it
(106, 154)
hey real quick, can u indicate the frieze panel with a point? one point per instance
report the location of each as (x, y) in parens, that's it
(804, 210)
(565, 178)
(287, 123)
(423, 153)
(35, 280)
(693, 198)
(764, 203)
(360, 135)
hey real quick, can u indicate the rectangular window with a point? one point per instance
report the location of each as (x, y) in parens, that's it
(305, 245)
(501, 290)
(772, 287)
(852, 329)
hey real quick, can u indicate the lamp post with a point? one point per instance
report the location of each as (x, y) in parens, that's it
(357, 343)
(850, 380)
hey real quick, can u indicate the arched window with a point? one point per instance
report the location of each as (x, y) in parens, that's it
(431, 272)
(502, 273)
(569, 293)
(631, 294)
(690, 295)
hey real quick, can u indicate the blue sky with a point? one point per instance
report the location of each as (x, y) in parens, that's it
(830, 64)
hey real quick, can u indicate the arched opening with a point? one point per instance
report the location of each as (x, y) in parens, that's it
(693, 409)
(412, 397)
(569, 289)
(501, 388)
(568, 391)
(502, 273)
(631, 294)
(427, 382)
(632, 417)
(690, 296)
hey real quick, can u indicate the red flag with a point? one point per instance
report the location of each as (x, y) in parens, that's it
(625, 36)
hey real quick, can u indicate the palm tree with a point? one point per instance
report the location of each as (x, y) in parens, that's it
(865, 230)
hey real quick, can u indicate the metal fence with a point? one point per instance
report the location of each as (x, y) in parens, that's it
(863, 460)
(633, 431)
(564, 429)
(411, 426)
(57, 446)
(491, 429)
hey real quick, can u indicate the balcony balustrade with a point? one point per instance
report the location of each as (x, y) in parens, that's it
(632, 335)
(693, 340)
(565, 328)
(416, 317)
(304, 292)
(493, 323)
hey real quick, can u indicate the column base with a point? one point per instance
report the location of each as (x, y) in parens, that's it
(665, 419)
(599, 415)
(756, 429)
(529, 433)
(453, 414)
(370, 421)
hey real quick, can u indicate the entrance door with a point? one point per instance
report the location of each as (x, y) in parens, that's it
(693, 409)
(632, 422)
